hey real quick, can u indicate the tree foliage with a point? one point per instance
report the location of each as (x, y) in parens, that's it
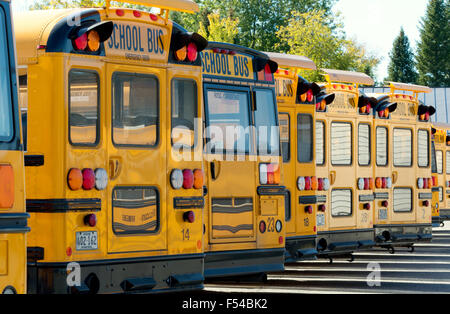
(402, 65)
(311, 35)
(222, 30)
(433, 50)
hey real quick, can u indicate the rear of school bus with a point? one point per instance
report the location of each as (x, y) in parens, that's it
(408, 216)
(13, 219)
(244, 216)
(298, 101)
(345, 129)
(438, 151)
(112, 103)
(442, 155)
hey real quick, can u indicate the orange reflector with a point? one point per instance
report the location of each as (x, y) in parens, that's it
(181, 54)
(323, 105)
(198, 179)
(379, 183)
(75, 179)
(6, 186)
(371, 184)
(93, 41)
(314, 183)
(277, 174)
(303, 97)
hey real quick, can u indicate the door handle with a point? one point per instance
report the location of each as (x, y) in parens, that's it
(332, 177)
(115, 167)
(215, 167)
(394, 177)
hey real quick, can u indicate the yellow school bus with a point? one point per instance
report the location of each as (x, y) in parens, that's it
(403, 160)
(244, 215)
(13, 218)
(440, 204)
(111, 99)
(344, 129)
(298, 100)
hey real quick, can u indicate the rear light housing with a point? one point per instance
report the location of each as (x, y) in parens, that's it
(269, 174)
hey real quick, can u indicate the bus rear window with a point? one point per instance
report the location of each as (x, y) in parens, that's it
(266, 123)
(402, 153)
(83, 107)
(320, 143)
(447, 162)
(305, 138)
(364, 144)
(341, 144)
(439, 161)
(382, 146)
(227, 121)
(341, 203)
(285, 136)
(6, 118)
(135, 111)
(184, 112)
(423, 148)
(403, 200)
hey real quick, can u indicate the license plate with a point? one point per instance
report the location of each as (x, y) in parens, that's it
(87, 240)
(320, 221)
(382, 214)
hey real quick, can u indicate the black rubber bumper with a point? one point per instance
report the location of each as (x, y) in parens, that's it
(402, 235)
(136, 275)
(343, 242)
(300, 248)
(245, 262)
(444, 214)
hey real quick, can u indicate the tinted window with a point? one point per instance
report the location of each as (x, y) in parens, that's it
(266, 123)
(423, 148)
(135, 109)
(341, 143)
(382, 146)
(184, 112)
(285, 136)
(402, 147)
(364, 144)
(320, 143)
(305, 138)
(6, 119)
(227, 121)
(83, 107)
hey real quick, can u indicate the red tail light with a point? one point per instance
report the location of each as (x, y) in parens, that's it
(262, 226)
(320, 183)
(81, 42)
(426, 203)
(308, 183)
(192, 52)
(384, 203)
(137, 13)
(88, 179)
(90, 220)
(435, 181)
(367, 206)
(384, 183)
(153, 17)
(188, 178)
(322, 208)
(189, 216)
(366, 184)
(309, 209)
(309, 95)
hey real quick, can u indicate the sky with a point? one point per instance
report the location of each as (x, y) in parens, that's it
(374, 23)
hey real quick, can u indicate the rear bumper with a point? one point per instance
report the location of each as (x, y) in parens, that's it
(300, 248)
(401, 235)
(436, 221)
(342, 242)
(246, 262)
(134, 275)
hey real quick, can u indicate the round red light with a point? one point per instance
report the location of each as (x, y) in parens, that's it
(309, 95)
(366, 184)
(153, 17)
(309, 209)
(426, 203)
(137, 13)
(88, 179)
(322, 208)
(427, 116)
(192, 52)
(367, 206)
(81, 42)
(189, 216)
(90, 220)
(320, 184)
(385, 203)
(383, 183)
(262, 226)
(120, 12)
(308, 183)
(188, 178)
(69, 251)
(280, 240)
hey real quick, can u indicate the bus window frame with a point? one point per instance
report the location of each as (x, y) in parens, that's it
(13, 141)
(325, 160)
(442, 161)
(447, 160)
(313, 147)
(253, 91)
(181, 78)
(412, 147)
(387, 146)
(369, 164)
(412, 199)
(289, 140)
(99, 116)
(351, 203)
(351, 143)
(428, 148)
(158, 122)
(226, 87)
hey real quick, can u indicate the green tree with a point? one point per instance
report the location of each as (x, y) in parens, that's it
(64, 4)
(433, 49)
(311, 35)
(222, 30)
(402, 66)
